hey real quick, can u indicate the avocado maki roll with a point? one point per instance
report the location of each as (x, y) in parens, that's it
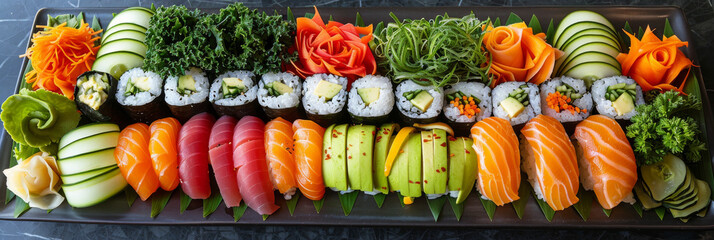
(417, 103)
(234, 93)
(466, 103)
(617, 97)
(370, 100)
(140, 94)
(279, 95)
(566, 99)
(187, 95)
(516, 102)
(324, 97)
(94, 95)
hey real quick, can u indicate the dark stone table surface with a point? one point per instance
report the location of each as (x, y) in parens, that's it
(16, 17)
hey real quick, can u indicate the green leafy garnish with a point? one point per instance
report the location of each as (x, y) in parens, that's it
(265, 216)
(185, 201)
(158, 202)
(318, 204)
(534, 24)
(664, 127)
(638, 208)
(239, 211)
(523, 194)
(211, 203)
(457, 208)
(513, 18)
(130, 195)
(379, 199)
(585, 203)
(71, 20)
(173, 42)
(660, 212)
(20, 207)
(607, 212)
(436, 205)
(347, 201)
(293, 202)
(550, 33)
(489, 206)
(548, 212)
(668, 31)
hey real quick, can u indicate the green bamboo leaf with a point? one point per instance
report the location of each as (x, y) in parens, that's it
(347, 201)
(309, 15)
(20, 207)
(330, 19)
(401, 198)
(627, 27)
(211, 203)
(378, 29)
(550, 33)
(28, 68)
(130, 195)
(660, 212)
(585, 203)
(489, 206)
(497, 23)
(239, 211)
(9, 195)
(607, 212)
(523, 194)
(668, 31)
(265, 216)
(535, 25)
(290, 15)
(185, 201)
(359, 21)
(638, 208)
(318, 204)
(640, 33)
(436, 205)
(293, 202)
(513, 18)
(95, 23)
(379, 198)
(49, 211)
(158, 202)
(548, 212)
(702, 169)
(457, 208)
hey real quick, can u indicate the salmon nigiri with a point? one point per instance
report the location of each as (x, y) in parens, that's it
(308, 158)
(134, 161)
(221, 158)
(164, 153)
(193, 156)
(550, 162)
(499, 172)
(607, 162)
(249, 160)
(279, 154)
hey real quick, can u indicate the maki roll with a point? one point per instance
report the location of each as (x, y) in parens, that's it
(371, 100)
(468, 102)
(233, 94)
(512, 101)
(417, 103)
(566, 99)
(139, 92)
(324, 97)
(187, 95)
(94, 97)
(279, 95)
(617, 97)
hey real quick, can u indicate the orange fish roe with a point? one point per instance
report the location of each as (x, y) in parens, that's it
(466, 105)
(559, 102)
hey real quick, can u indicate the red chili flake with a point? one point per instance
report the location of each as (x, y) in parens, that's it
(467, 151)
(417, 182)
(452, 138)
(334, 135)
(340, 133)
(364, 154)
(386, 132)
(426, 140)
(350, 145)
(347, 148)
(328, 157)
(451, 155)
(437, 170)
(379, 138)
(443, 144)
(434, 135)
(373, 133)
(334, 130)
(443, 169)
(384, 187)
(437, 137)
(349, 157)
(401, 151)
(410, 181)
(459, 189)
(360, 142)
(325, 151)
(425, 181)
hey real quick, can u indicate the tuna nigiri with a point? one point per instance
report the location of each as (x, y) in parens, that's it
(221, 158)
(279, 154)
(550, 162)
(193, 156)
(308, 158)
(134, 161)
(499, 172)
(164, 153)
(607, 162)
(249, 160)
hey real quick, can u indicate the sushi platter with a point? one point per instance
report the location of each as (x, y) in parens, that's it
(178, 116)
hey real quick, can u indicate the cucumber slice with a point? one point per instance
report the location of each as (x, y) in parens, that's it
(117, 63)
(87, 161)
(702, 201)
(86, 131)
(125, 34)
(94, 190)
(581, 28)
(592, 71)
(686, 190)
(587, 57)
(122, 27)
(136, 16)
(665, 177)
(581, 16)
(589, 47)
(83, 176)
(644, 198)
(122, 45)
(89, 144)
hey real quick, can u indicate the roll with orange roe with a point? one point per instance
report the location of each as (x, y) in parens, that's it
(566, 99)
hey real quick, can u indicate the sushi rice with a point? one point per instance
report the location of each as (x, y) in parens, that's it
(216, 95)
(173, 98)
(285, 100)
(585, 102)
(382, 106)
(501, 92)
(409, 110)
(604, 106)
(139, 98)
(476, 89)
(318, 105)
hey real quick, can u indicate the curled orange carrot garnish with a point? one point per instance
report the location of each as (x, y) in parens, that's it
(59, 55)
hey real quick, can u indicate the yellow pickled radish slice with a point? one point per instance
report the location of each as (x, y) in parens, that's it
(396, 146)
(436, 125)
(408, 200)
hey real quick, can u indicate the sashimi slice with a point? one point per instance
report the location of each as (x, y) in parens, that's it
(221, 160)
(308, 158)
(193, 156)
(164, 153)
(279, 156)
(134, 161)
(499, 172)
(249, 160)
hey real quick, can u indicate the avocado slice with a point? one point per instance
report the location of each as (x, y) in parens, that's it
(512, 106)
(405, 175)
(327, 89)
(422, 100)
(339, 154)
(186, 85)
(644, 198)
(232, 87)
(328, 166)
(382, 142)
(141, 83)
(462, 167)
(282, 88)
(665, 177)
(624, 104)
(369, 95)
(441, 160)
(434, 162)
(704, 193)
(359, 157)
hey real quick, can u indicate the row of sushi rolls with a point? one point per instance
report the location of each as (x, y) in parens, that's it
(347, 107)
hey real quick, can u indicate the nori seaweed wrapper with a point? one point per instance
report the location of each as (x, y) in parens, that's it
(461, 129)
(376, 120)
(149, 112)
(238, 111)
(408, 121)
(290, 114)
(185, 112)
(328, 119)
(108, 111)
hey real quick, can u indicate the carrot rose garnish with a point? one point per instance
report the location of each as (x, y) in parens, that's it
(519, 55)
(655, 63)
(335, 48)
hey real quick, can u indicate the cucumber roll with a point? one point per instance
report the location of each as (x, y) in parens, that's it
(516, 102)
(234, 93)
(566, 99)
(466, 103)
(370, 100)
(417, 103)
(617, 97)
(94, 95)
(187, 95)
(140, 93)
(324, 97)
(279, 95)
